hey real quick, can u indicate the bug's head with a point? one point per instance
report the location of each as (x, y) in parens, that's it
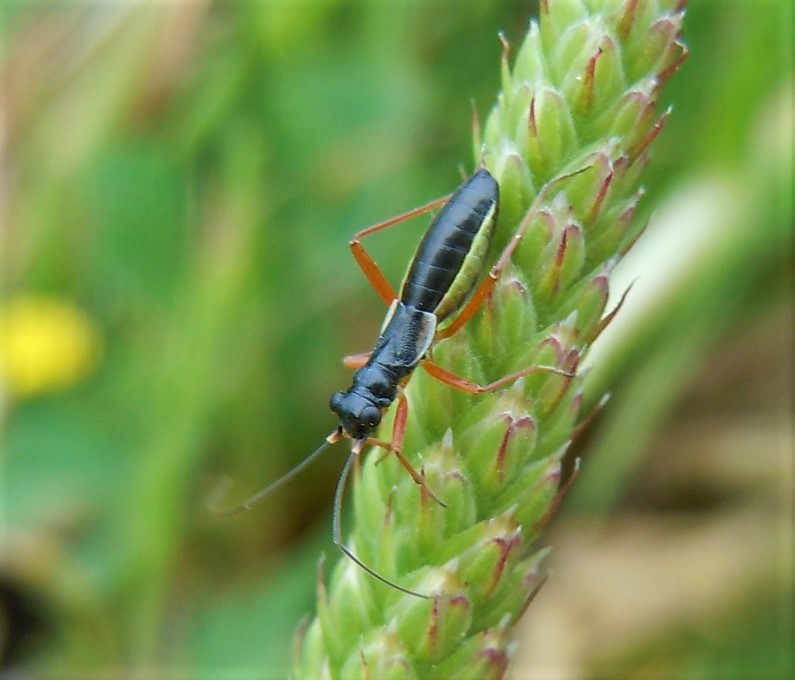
(358, 416)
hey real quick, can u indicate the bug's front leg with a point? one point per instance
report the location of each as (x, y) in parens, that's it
(356, 360)
(396, 446)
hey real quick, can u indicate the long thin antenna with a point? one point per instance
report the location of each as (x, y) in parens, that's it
(333, 438)
(336, 522)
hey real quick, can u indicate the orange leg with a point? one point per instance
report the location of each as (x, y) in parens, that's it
(396, 446)
(367, 263)
(487, 285)
(464, 385)
(472, 305)
(356, 360)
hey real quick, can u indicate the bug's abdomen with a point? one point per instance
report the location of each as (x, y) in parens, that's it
(452, 254)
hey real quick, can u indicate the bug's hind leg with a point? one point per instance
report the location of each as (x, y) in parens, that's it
(470, 387)
(396, 447)
(366, 262)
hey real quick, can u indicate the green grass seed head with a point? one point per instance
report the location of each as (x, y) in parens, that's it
(581, 97)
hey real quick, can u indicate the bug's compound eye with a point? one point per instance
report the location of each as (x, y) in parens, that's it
(370, 416)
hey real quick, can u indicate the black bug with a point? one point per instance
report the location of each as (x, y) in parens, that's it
(439, 294)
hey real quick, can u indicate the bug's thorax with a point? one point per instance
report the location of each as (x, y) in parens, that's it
(405, 337)
(442, 273)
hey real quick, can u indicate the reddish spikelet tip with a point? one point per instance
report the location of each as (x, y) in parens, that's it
(531, 576)
(627, 19)
(596, 207)
(590, 75)
(497, 660)
(650, 136)
(505, 547)
(433, 628)
(533, 124)
(506, 46)
(665, 75)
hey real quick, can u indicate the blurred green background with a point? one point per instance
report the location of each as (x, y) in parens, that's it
(180, 181)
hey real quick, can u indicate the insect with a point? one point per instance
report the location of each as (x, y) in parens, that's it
(441, 291)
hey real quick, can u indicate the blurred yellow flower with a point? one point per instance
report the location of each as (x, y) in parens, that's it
(45, 344)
